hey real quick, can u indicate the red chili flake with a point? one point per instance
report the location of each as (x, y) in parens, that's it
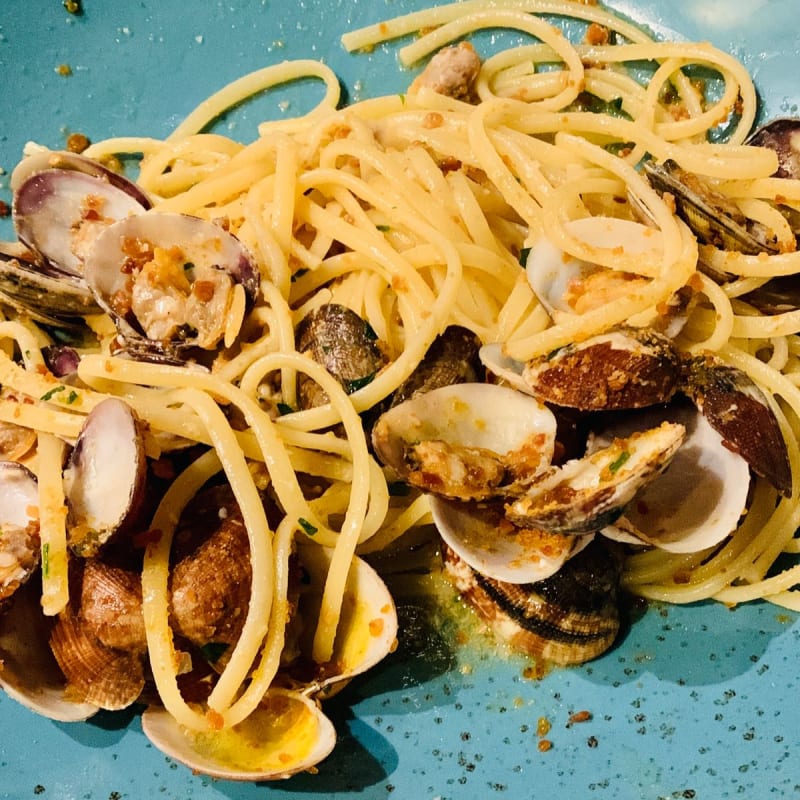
(5, 209)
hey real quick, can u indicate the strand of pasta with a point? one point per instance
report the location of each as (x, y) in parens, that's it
(52, 523)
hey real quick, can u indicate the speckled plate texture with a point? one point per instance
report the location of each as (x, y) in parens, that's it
(694, 702)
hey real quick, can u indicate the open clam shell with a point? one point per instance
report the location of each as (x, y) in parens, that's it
(30, 674)
(367, 630)
(105, 477)
(623, 368)
(19, 525)
(169, 279)
(738, 410)
(63, 201)
(287, 734)
(470, 441)
(481, 536)
(782, 135)
(589, 493)
(697, 501)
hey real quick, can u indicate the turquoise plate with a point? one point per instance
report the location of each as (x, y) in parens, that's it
(695, 702)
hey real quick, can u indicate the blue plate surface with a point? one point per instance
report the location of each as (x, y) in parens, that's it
(695, 702)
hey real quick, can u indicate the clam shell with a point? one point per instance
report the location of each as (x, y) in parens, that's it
(468, 441)
(480, 535)
(738, 410)
(105, 477)
(30, 674)
(569, 618)
(367, 630)
(589, 493)
(697, 501)
(623, 368)
(109, 678)
(287, 734)
(19, 543)
(179, 299)
(336, 337)
(781, 135)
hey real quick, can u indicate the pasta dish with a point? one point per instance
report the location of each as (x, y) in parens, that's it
(226, 371)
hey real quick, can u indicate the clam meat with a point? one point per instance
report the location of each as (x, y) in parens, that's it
(19, 527)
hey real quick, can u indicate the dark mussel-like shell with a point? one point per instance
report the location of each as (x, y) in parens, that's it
(623, 368)
(336, 337)
(738, 410)
(451, 358)
(63, 200)
(168, 280)
(569, 618)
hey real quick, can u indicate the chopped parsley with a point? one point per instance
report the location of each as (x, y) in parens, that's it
(72, 397)
(307, 526)
(523, 256)
(55, 390)
(384, 228)
(615, 465)
(359, 383)
(46, 560)
(285, 408)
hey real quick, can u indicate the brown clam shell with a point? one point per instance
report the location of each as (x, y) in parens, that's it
(103, 676)
(738, 410)
(625, 368)
(569, 618)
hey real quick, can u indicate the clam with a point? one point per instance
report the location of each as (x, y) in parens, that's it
(367, 629)
(30, 674)
(713, 217)
(737, 408)
(468, 441)
(452, 358)
(288, 733)
(336, 337)
(104, 676)
(211, 573)
(61, 203)
(19, 527)
(697, 501)
(104, 480)
(622, 368)
(169, 281)
(568, 618)
(565, 284)
(586, 494)
(481, 536)
(781, 136)
(47, 296)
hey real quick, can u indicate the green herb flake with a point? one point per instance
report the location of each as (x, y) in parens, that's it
(384, 228)
(523, 256)
(46, 560)
(307, 526)
(49, 395)
(299, 274)
(359, 383)
(71, 397)
(399, 489)
(285, 408)
(213, 651)
(615, 465)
